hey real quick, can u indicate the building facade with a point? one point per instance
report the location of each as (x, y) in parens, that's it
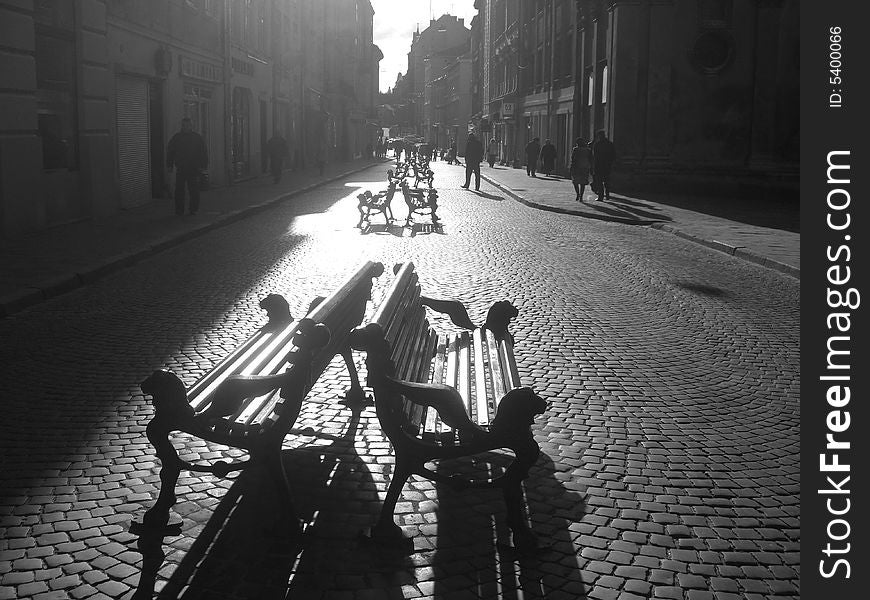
(706, 89)
(685, 88)
(95, 90)
(444, 38)
(57, 154)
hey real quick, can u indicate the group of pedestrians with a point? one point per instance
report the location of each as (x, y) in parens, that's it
(596, 159)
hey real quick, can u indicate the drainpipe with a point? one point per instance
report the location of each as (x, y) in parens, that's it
(552, 41)
(228, 106)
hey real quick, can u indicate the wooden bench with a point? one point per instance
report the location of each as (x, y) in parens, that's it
(379, 202)
(238, 402)
(445, 396)
(421, 201)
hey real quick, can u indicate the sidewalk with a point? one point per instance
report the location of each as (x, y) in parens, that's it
(55, 261)
(52, 262)
(763, 232)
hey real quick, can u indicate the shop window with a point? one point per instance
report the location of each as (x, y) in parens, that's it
(56, 98)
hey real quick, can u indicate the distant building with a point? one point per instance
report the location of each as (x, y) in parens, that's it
(445, 36)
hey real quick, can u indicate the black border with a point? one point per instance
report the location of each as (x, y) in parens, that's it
(825, 129)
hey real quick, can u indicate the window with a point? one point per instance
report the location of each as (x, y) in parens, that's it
(604, 85)
(56, 97)
(590, 88)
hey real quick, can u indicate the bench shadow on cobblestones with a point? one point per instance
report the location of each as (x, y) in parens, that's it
(473, 550)
(239, 553)
(462, 545)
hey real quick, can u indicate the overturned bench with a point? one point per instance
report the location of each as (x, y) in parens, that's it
(251, 399)
(446, 396)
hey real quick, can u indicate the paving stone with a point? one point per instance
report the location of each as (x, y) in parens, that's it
(637, 437)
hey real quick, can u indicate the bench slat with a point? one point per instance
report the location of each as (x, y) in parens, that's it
(421, 374)
(247, 362)
(384, 314)
(398, 324)
(407, 340)
(414, 350)
(481, 391)
(430, 430)
(463, 379)
(495, 368)
(506, 351)
(446, 433)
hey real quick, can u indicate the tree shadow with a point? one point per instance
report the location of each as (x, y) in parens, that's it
(473, 551)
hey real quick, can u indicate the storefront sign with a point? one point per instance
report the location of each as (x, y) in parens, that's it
(507, 109)
(200, 70)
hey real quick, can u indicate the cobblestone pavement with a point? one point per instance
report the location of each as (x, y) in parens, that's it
(670, 464)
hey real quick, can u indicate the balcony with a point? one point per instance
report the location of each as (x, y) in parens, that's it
(506, 41)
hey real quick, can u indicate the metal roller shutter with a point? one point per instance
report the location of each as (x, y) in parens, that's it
(134, 169)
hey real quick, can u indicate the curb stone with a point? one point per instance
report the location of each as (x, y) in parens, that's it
(736, 251)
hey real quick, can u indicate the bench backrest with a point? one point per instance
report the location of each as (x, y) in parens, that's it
(305, 347)
(400, 343)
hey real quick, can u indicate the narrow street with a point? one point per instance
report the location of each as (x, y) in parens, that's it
(670, 465)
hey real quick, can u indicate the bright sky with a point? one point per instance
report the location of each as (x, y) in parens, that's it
(395, 23)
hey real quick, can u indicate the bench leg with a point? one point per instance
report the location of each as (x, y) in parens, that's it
(386, 528)
(157, 433)
(523, 537)
(355, 395)
(274, 466)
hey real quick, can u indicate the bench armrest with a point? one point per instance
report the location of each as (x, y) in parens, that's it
(444, 399)
(452, 308)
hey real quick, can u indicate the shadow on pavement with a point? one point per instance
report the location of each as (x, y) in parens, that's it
(773, 212)
(240, 553)
(473, 553)
(700, 288)
(490, 196)
(391, 229)
(633, 209)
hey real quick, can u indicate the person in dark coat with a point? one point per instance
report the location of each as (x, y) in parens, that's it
(603, 155)
(473, 156)
(548, 157)
(581, 162)
(186, 153)
(533, 150)
(276, 147)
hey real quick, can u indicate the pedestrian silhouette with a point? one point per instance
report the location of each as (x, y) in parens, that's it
(533, 151)
(473, 156)
(581, 162)
(277, 149)
(548, 157)
(603, 155)
(187, 154)
(492, 152)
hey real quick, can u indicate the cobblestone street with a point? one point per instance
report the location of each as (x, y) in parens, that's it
(670, 451)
